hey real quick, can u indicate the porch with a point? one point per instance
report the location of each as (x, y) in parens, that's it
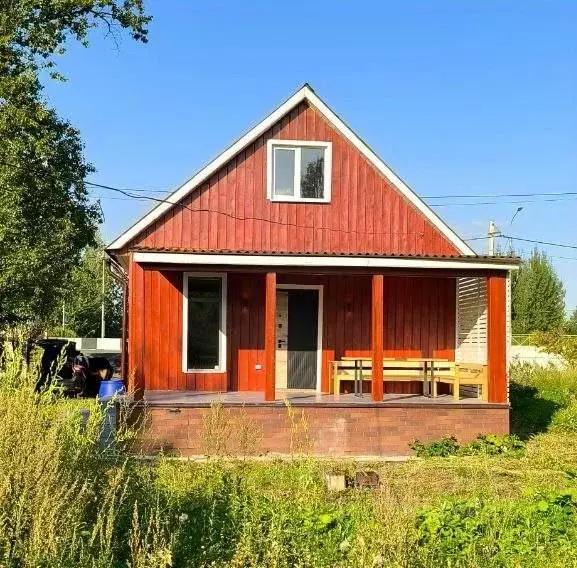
(266, 331)
(304, 398)
(254, 349)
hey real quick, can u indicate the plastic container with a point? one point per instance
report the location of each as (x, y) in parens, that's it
(110, 388)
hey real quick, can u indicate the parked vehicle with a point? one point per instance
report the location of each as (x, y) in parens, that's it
(78, 375)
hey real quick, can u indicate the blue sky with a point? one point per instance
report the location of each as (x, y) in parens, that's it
(457, 97)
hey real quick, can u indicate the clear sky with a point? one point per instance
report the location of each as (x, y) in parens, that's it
(457, 97)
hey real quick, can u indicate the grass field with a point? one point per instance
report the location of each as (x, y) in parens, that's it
(64, 502)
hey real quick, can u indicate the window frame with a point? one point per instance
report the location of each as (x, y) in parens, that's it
(297, 146)
(222, 353)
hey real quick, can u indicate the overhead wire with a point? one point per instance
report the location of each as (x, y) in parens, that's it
(130, 194)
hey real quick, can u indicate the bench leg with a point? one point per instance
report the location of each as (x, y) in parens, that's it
(456, 389)
(435, 388)
(485, 392)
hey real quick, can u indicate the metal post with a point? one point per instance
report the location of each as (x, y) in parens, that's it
(492, 233)
(103, 292)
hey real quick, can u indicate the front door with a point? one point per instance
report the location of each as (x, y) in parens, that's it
(297, 338)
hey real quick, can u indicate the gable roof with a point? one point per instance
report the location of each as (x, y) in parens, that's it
(305, 93)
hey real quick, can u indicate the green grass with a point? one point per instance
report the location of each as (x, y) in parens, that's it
(65, 502)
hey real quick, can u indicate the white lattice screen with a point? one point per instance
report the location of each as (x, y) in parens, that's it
(471, 320)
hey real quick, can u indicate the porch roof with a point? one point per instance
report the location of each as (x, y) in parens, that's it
(303, 259)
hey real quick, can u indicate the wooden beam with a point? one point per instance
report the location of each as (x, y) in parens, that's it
(270, 336)
(377, 315)
(123, 349)
(296, 270)
(135, 341)
(497, 336)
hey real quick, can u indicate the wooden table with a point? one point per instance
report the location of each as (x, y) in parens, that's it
(428, 365)
(428, 362)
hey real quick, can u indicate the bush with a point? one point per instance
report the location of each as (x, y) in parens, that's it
(493, 445)
(475, 532)
(437, 449)
(489, 445)
(543, 399)
(558, 343)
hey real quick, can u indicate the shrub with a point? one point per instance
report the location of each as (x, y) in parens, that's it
(442, 448)
(493, 445)
(475, 532)
(490, 444)
(542, 399)
(558, 343)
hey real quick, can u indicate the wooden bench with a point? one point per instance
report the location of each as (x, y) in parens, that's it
(393, 370)
(462, 374)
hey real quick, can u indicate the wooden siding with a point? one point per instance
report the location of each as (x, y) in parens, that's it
(230, 211)
(418, 320)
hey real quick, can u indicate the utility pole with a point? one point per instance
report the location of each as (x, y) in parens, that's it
(103, 297)
(492, 233)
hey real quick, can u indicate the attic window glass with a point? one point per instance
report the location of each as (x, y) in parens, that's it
(299, 171)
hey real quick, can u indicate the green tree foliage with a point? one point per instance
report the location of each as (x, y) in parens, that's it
(82, 300)
(571, 325)
(538, 296)
(46, 217)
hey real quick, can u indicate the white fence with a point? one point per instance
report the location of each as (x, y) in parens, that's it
(535, 356)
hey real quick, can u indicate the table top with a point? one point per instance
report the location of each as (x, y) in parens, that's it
(428, 359)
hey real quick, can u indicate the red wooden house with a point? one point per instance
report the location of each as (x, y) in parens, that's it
(295, 248)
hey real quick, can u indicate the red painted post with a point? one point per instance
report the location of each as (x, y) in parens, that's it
(377, 337)
(136, 330)
(270, 336)
(497, 336)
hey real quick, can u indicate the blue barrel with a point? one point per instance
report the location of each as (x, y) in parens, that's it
(111, 387)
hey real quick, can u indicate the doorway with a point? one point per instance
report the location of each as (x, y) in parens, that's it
(299, 326)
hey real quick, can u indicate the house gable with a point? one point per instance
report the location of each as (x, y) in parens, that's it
(225, 207)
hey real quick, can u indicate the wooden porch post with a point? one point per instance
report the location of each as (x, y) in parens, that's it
(377, 337)
(270, 336)
(135, 342)
(497, 336)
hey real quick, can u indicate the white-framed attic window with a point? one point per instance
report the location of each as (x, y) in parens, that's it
(299, 171)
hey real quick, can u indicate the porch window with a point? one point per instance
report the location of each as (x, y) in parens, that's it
(299, 171)
(204, 323)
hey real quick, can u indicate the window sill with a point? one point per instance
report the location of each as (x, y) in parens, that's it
(298, 200)
(203, 371)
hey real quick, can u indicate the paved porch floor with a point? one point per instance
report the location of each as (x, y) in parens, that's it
(299, 398)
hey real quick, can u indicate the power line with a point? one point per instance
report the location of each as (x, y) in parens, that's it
(430, 204)
(461, 196)
(465, 204)
(562, 245)
(500, 195)
(250, 218)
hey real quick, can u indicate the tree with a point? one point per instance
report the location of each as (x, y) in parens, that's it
(538, 296)
(46, 217)
(79, 315)
(571, 324)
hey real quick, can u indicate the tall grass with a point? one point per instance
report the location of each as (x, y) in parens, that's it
(543, 399)
(65, 501)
